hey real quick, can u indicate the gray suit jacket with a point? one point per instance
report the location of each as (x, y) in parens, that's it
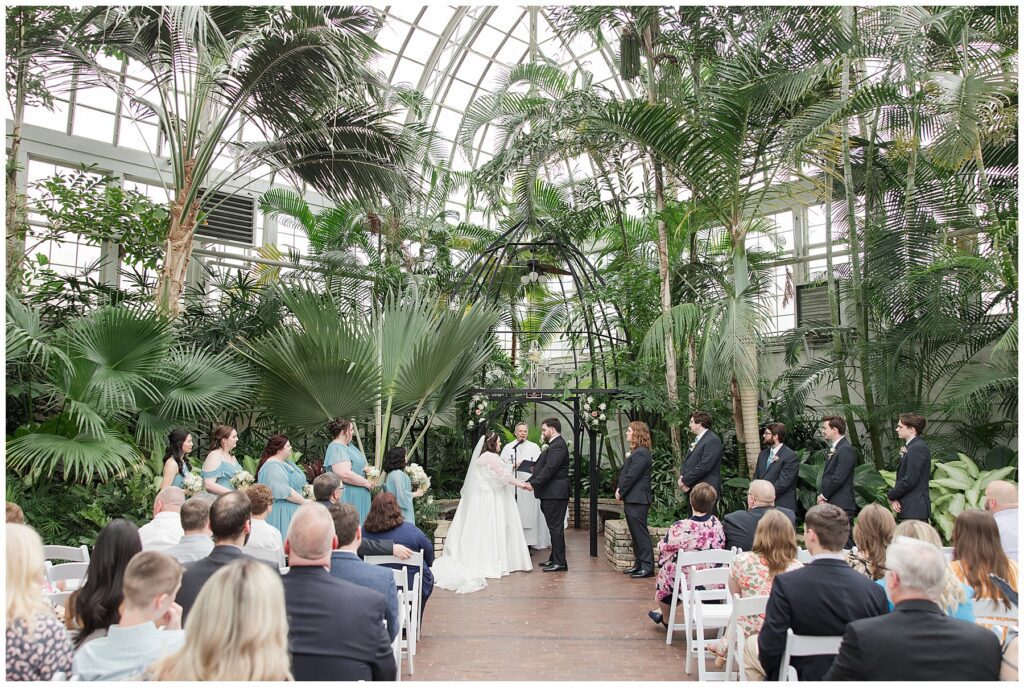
(192, 547)
(704, 463)
(347, 566)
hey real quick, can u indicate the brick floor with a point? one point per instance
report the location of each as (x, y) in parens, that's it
(587, 624)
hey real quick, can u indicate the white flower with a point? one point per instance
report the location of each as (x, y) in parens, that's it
(602, 406)
(544, 447)
(372, 473)
(193, 483)
(307, 492)
(590, 399)
(241, 480)
(602, 417)
(470, 424)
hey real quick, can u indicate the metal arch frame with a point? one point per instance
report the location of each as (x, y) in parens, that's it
(547, 397)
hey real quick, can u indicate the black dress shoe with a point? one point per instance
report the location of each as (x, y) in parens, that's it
(631, 571)
(656, 616)
(546, 563)
(642, 574)
(556, 568)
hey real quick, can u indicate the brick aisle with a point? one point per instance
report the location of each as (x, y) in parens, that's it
(587, 624)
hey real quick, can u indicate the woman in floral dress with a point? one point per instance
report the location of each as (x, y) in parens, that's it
(700, 532)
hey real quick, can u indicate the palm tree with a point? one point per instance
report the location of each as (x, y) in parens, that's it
(296, 76)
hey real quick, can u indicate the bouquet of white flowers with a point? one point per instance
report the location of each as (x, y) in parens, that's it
(372, 473)
(307, 492)
(242, 480)
(478, 405)
(594, 414)
(418, 477)
(193, 484)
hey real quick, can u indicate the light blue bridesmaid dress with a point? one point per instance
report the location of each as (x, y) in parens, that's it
(223, 473)
(282, 476)
(357, 496)
(399, 484)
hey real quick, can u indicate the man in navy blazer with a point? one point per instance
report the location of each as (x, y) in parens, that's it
(818, 599)
(917, 641)
(703, 462)
(837, 478)
(778, 464)
(909, 496)
(346, 565)
(741, 526)
(335, 628)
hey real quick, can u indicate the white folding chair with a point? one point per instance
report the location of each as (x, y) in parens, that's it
(805, 645)
(707, 616)
(681, 592)
(65, 572)
(59, 598)
(803, 555)
(735, 639)
(995, 613)
(406, 643)
(70, 554)
(414, 561)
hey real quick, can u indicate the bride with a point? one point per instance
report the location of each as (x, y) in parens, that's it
(486, 535)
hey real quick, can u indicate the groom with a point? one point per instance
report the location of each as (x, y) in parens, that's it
(550, 482)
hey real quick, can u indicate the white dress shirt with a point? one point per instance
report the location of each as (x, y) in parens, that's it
(1006, 520)
(162, 532)
(264, 542)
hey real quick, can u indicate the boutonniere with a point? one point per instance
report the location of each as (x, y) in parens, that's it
(903, 450)
(693, 444)
(831, 451)
(543, 447)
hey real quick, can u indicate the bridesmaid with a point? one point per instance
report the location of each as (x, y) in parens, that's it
(179, 445)
(399, 484)
(348, 463)
(220, 465)
(284, 479)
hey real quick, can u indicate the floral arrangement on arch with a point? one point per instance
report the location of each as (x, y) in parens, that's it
(242, 480)
(595, 415)
(193, 484)
(478, 405)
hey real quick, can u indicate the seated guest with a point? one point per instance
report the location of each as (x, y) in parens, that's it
(164, 530)
(240, 608)
(818, 599)
(195, 521)
(700, 532)
(229, 522)
(327, 488)
(740, 525)
(1001, 502)
(957, 598)
(399, 484)
(15, 515)
(917, 641)
(95, 606)
(977, 553)
(872, 533)
(37, 645)
(150, 624)
(752, 572)
(385, 522)
(336, 628)
(345, 563)
(264, 542)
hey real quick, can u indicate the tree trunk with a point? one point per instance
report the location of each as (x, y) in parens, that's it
(671, 374)
(16, 227)
(178, 250)
(747, 434)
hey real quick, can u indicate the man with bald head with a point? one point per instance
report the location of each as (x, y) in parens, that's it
(1001, 501)
(336, 628)
(741, 525)
(164, 530)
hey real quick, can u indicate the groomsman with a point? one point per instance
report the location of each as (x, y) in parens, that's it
(909, 496)
(778, 464)
(634, 491)
(704, 461)
(837, 479)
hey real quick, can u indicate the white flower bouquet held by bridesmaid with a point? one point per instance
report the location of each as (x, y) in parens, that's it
(418, 477)
(307, 492)
(193, 484)
(242, 480)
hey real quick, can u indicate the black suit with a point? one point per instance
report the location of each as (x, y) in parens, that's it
(198, 572)
(911, 488)
(704, 463)
(819, 600)
(918, 642)
(741, 525)
(635, 492)
(550, 482)
(782, 473)
(335, 628)
(370, 547)
(837, 479)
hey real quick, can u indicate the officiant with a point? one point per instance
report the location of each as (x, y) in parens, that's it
(513, 454)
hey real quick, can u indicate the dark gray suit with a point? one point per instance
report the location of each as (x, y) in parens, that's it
(911, 488)
(837, 479)
(635, 492)
(335, 628)
(550, 482)
(198, 572)
(740, 526)
(704, 463)
(346, 565)
(916, 642)
(782, 473)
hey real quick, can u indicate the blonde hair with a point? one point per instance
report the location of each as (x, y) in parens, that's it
(873, 532)
(25, 570)
(775, 542)
(953, 594)
(242, 607)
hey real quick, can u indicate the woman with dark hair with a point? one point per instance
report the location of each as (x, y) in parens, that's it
(385, 521)
(348, 462)
(220, 465)
(96, 606)
(977, 553)
(285, 480)
(179, 445)
(399, 484)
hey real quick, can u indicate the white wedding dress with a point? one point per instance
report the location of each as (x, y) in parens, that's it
(486, 536)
